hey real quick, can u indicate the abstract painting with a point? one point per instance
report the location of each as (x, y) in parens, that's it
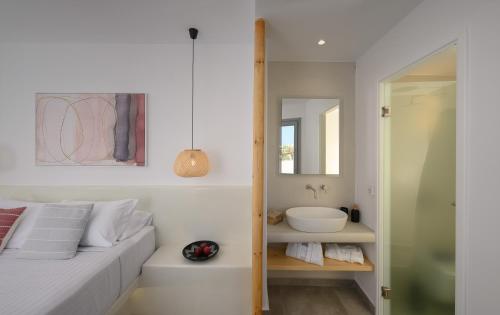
(91, 129)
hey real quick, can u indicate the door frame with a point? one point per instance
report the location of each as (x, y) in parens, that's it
(461, 189)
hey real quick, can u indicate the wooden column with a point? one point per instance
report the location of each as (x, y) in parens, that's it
(258, 164)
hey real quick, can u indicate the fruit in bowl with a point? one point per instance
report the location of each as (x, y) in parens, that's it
(200, 250)
(207, 250)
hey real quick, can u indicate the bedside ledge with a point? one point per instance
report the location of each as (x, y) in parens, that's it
(229, 256)
(171, 284)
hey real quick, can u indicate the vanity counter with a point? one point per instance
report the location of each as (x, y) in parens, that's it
(352, 233)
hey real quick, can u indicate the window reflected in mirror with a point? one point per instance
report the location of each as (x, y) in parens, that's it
(310, 136)
(289, 161)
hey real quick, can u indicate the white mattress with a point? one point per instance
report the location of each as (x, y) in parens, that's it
(88, 284)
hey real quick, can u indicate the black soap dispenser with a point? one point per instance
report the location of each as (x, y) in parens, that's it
(355, 214)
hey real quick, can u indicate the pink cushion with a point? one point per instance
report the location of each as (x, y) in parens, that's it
(9, 219)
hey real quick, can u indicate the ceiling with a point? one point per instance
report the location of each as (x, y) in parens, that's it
(349, 27)
(126, 21)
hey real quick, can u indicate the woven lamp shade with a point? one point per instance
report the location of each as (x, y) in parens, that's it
(191, 163)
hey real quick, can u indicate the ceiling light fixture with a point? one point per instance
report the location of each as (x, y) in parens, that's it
(192, 162)
(321, 42)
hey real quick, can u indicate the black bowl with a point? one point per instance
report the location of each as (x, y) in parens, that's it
(188, 251)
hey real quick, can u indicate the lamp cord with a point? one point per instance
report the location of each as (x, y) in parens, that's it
(192, 99)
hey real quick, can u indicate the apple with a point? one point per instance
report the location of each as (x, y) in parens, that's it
(207, 250)
(198, 251)
(203, 245)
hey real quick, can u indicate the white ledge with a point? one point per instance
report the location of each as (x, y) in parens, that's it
(171, 284)
(229, 256)
(352, 233)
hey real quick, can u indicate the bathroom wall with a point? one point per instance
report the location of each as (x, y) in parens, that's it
(310, 80)
(430, 26)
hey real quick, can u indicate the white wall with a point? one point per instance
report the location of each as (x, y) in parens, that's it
(162, 69)
(433, 24)
(138, 46)
(222, 108)
(181, 214)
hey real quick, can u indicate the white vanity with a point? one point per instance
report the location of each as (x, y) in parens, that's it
(280, 234)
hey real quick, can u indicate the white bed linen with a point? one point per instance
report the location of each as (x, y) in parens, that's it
(87, 284)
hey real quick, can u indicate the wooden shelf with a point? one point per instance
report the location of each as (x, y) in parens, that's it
(352, 233)
(277, 260)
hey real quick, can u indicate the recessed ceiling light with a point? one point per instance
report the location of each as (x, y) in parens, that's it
(321, 42)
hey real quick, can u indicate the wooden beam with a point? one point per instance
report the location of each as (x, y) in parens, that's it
(258, 164)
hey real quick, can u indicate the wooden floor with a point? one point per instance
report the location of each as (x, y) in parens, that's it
(316, 300)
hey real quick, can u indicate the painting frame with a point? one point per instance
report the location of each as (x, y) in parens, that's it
(91, 129)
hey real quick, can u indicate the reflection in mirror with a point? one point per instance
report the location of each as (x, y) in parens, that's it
(310, 136)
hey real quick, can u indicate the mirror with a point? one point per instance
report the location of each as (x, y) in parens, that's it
(310, 136)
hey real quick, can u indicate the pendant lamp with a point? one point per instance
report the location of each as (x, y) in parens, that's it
(192, 162)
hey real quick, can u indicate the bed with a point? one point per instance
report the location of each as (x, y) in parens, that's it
(89, 283)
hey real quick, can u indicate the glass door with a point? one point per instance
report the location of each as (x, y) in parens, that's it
(418, 162)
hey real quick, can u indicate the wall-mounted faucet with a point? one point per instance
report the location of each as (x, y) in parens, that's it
(310, 187)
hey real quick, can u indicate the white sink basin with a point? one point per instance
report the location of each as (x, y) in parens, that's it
(316, 219)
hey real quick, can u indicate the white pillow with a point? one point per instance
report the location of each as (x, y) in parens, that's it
(107, 222)
(27, 220)
(57, 232)
(138, 220)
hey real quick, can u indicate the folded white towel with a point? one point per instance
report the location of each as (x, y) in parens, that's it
(348, 253)
(309, 252)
